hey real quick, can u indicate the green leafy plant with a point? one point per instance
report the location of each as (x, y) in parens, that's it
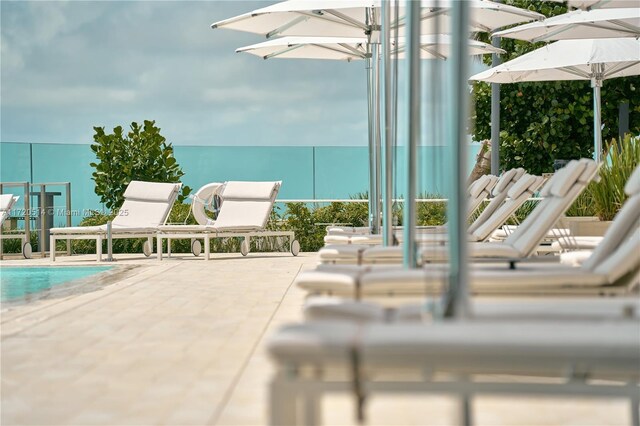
(141, 154)
(620, 161)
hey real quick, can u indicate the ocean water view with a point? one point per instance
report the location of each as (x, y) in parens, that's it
(307, 172)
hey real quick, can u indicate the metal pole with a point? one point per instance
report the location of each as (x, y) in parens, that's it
(456, 302)
(43, 206)
(27, 211)
(597, 120)
(376, 134)
(372, 171)
(495, 111)
(413, 130)
(387, 136)
(68, 190)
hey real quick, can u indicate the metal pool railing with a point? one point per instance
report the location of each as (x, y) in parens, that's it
(44, 214)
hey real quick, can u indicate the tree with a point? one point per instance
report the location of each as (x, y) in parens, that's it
(141, 154)
(541, 122)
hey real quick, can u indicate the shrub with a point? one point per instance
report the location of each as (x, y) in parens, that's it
(620, 161)
(142, 154)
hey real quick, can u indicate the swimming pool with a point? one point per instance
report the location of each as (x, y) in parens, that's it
(20, 283)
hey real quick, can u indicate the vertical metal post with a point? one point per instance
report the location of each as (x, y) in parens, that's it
(372, 170)
(27, 210)
(386, 119)
(43, 212)
(597, 121)
(456, 302)
(376, 134)
(413, 129)
(495, 112)
(623, 120)
(68, 206)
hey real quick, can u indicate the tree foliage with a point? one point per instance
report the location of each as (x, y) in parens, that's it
(141, 154)
(544, 121)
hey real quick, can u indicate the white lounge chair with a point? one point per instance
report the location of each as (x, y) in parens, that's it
(7, 202)
(593, 357)
(559, 193)
(611, 268)
(244, 212)
(478, 191)
(146, 206)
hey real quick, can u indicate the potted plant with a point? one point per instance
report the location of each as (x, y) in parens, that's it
(604, 199)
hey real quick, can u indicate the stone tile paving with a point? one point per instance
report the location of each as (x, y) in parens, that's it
(181, 342)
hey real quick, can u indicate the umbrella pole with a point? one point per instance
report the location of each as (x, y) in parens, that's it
(456, 301)
(495, 112)
(376, 134)
(413, 130)
(597, 120)
(385, 91)
(372, 171)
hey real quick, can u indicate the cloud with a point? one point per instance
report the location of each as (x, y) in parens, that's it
(73, 65)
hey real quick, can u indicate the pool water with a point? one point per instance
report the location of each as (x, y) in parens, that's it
(18, 283)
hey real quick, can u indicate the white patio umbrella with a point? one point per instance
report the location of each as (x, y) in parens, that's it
(354, 18)
(591, 59)
(358, 18)
(580, 24)
(602, 4)
(350, 48)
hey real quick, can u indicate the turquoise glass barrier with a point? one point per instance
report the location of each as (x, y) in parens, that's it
(307, 172)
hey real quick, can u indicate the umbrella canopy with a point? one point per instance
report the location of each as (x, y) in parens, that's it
(594, 59)
(349, 49)
(580, 24)
(353, 18)
(602, 4)
(591, 59)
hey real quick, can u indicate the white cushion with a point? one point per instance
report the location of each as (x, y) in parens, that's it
(339, 252)
(623, 225)
(246, 206)
(565, 178)
(623, 260)
(151, 191)
(480, 185)
(255, 191)
(242, 215)
(505, 179)
(521, 185)
(633, 184)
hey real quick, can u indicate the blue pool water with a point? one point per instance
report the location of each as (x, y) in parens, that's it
(19, 283)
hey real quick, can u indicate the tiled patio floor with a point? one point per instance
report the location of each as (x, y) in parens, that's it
(180, 342)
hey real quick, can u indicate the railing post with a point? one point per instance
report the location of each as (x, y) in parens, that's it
(43, 206)
(68, 189)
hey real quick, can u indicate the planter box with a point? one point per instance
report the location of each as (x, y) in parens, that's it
(586, 226)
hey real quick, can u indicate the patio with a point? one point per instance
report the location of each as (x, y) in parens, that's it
(181, 342)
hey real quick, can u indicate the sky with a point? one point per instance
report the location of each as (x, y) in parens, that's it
(67, 66)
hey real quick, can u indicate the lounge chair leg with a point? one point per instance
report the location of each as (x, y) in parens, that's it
(99, 248)
(466, 418)
(312, 411)
(52, 247)
(282, 405)
(159, 247)
(150, 241)
(207, 247)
